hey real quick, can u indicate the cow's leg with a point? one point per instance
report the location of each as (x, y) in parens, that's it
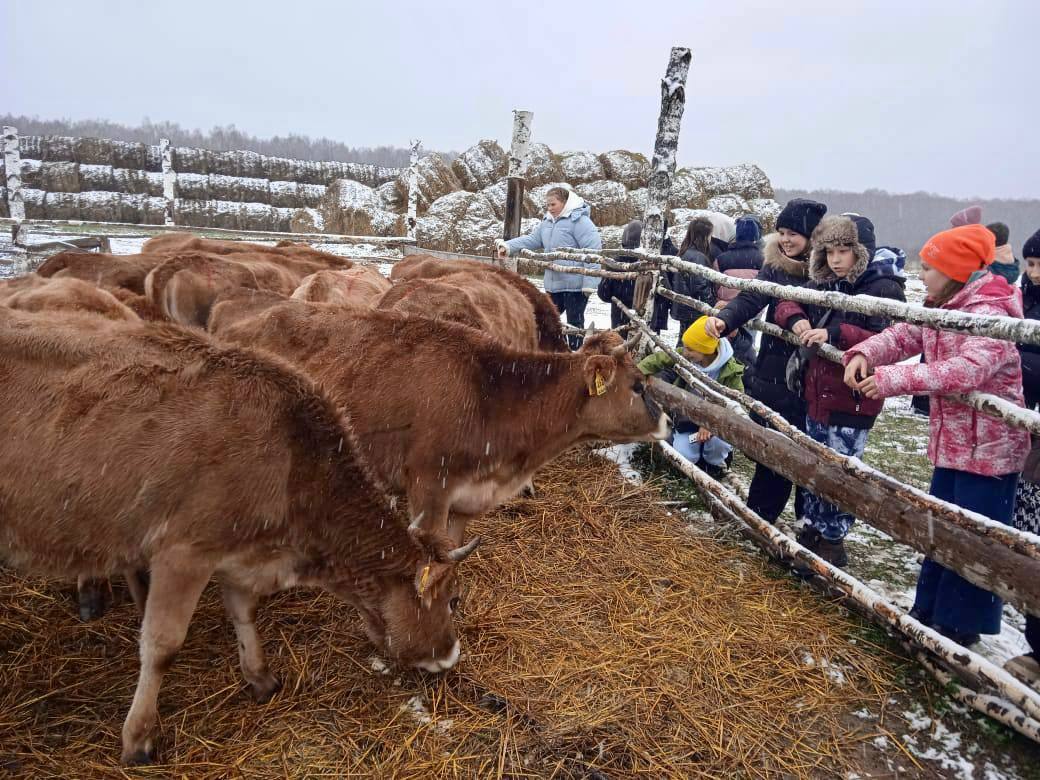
(174, 591)
(137, 584)
(92, 595)
(241, 608)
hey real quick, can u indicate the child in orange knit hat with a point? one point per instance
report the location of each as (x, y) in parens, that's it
(977, 457)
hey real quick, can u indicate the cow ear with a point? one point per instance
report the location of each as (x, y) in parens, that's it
(429, 579)
(599, 373)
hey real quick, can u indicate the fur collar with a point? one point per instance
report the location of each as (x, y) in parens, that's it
(772, 256)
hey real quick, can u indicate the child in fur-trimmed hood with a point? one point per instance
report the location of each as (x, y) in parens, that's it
(837, 415)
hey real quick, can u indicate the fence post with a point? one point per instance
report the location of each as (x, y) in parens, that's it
(662, 169)
(169, 179)
(515, 181)
(413, 188)
(13, 166)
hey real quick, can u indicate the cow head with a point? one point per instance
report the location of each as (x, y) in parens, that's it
(409, 614)
(618, 406)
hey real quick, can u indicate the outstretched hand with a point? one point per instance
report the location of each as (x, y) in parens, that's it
(714, 327)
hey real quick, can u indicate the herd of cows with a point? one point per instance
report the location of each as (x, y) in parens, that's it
(277, 417)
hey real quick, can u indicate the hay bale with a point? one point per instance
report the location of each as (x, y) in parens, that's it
(542, 166)
(388, 223)
(132, 208)
(30, 172)
(61, 205)
(280, 169)
(3, 202)
(581, 167)
(92, 151)
(30, 146)
(153, 211)
(307, 221)
(153, 158)
(352, 208)
(748, 181)
(629, 168)
(59, 177)
(193, 213)
(308, 172)
(611, 236)
(469, 222)
(95, 178)
(237, 163)
(261, 216)
(433, 233)
(638, 200)
(390, 198)
(241, 189)
(100, 206)
(33, 200)
(481, 165)
(496, 196)
(53, 148)
(687, 191)
(126, 154)
(767, 210)
(285, 193)
(309, 195)
(609, 201)
(193, 186)
(135, 181)
(732, 205)
(188, 160)
(435, 179)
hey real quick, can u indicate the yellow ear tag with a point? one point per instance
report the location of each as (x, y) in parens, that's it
(601, 386)
(424, 578)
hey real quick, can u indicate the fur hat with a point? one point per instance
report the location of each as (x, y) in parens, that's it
(836, 231)
(1031, 248)
(1000, 231)
(801, 215)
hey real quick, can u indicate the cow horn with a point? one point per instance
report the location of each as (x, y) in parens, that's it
(460, 554)
(621, 349)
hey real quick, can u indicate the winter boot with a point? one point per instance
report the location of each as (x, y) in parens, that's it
(832, 552)
(960, 637)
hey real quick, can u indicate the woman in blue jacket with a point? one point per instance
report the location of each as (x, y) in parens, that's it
(566, 225)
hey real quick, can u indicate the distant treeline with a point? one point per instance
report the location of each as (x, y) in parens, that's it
(907, 221)
(299, 147)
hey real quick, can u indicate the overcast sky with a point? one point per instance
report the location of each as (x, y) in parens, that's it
(903, 96)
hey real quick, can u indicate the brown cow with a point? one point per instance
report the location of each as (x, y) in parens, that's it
(167, 451)
(286, 251)
(184, 286)
(546, 316)
(31, 293)
(442, 300)
(108, 271)
(450, 417)
(361, 285)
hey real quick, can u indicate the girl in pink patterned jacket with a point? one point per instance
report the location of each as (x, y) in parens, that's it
(977, 457)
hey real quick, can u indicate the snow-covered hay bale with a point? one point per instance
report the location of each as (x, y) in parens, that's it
(126, 154)
(480, 166)
(239, 163)
(61, 205)
(542, 166)
(30, 146)
(241, 189)
(33, 201)
(460, 222)
(610, 235)
(52, 148)
(390, 197)
(289, 194)
(609, 201)
(581, 167)
(307, 221)
(496, 196)
(748, 181)
(369, 175)
(280, 169)
(59, 177)
(435, 180)
(135, 181)
(731, 205)
(100, 206)
(187, 159)
(193, 213)
(96, 178)
(352, 208)
(3, 202)
(193, 186)
(92, 151)
(687, 191)
(629, 168)
(767, 210)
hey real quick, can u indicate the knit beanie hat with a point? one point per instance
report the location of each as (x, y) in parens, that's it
(697, 338)
(801, 215)
(864, 230)
(969, 216)
(748, 229)
(1031, 248)
(960, 251)
(631, 234)
(1000, 231)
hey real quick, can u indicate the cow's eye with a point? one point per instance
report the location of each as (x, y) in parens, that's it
(453, 605)
(638, 387)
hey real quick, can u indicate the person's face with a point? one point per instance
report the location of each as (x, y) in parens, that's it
(840, 260)
(792, 244)
(1033, 269)
(554, 206)
(934, 280)
(696, 357)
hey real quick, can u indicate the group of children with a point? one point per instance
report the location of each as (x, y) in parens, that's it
(980, 461)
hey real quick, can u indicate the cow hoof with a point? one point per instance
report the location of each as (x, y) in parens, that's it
(139, 756)
(527, 491)
(92, 599)
(264, 690)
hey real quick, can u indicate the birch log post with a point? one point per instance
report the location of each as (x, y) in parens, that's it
(169, 180)
(662, 168)
(515, 179)
(13, 166)
(413, 189)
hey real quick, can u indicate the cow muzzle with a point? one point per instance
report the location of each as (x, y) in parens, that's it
(664, 422)
(438, 665)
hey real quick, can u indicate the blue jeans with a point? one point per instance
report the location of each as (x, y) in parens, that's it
(832, 523)
(714, 450)
(945, 599)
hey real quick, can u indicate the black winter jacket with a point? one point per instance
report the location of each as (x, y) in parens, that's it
(1030, 353)
(691, 285)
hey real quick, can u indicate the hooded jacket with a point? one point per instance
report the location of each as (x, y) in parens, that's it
(769, 384)
(829, 400)
(1030, 353)
(724, 369)
(572, 229)
(743, 258)
(960, 437)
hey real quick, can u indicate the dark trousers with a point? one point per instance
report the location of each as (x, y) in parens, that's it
(1033, 635)
(945, 599)
(768, 493)
(573, 305)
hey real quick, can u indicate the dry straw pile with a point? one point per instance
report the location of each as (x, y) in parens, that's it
(600, 640)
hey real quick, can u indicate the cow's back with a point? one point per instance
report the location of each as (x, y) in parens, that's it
(31, 293)
(304, 259)
(357, 286)
(440, 300)
(103, 270)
